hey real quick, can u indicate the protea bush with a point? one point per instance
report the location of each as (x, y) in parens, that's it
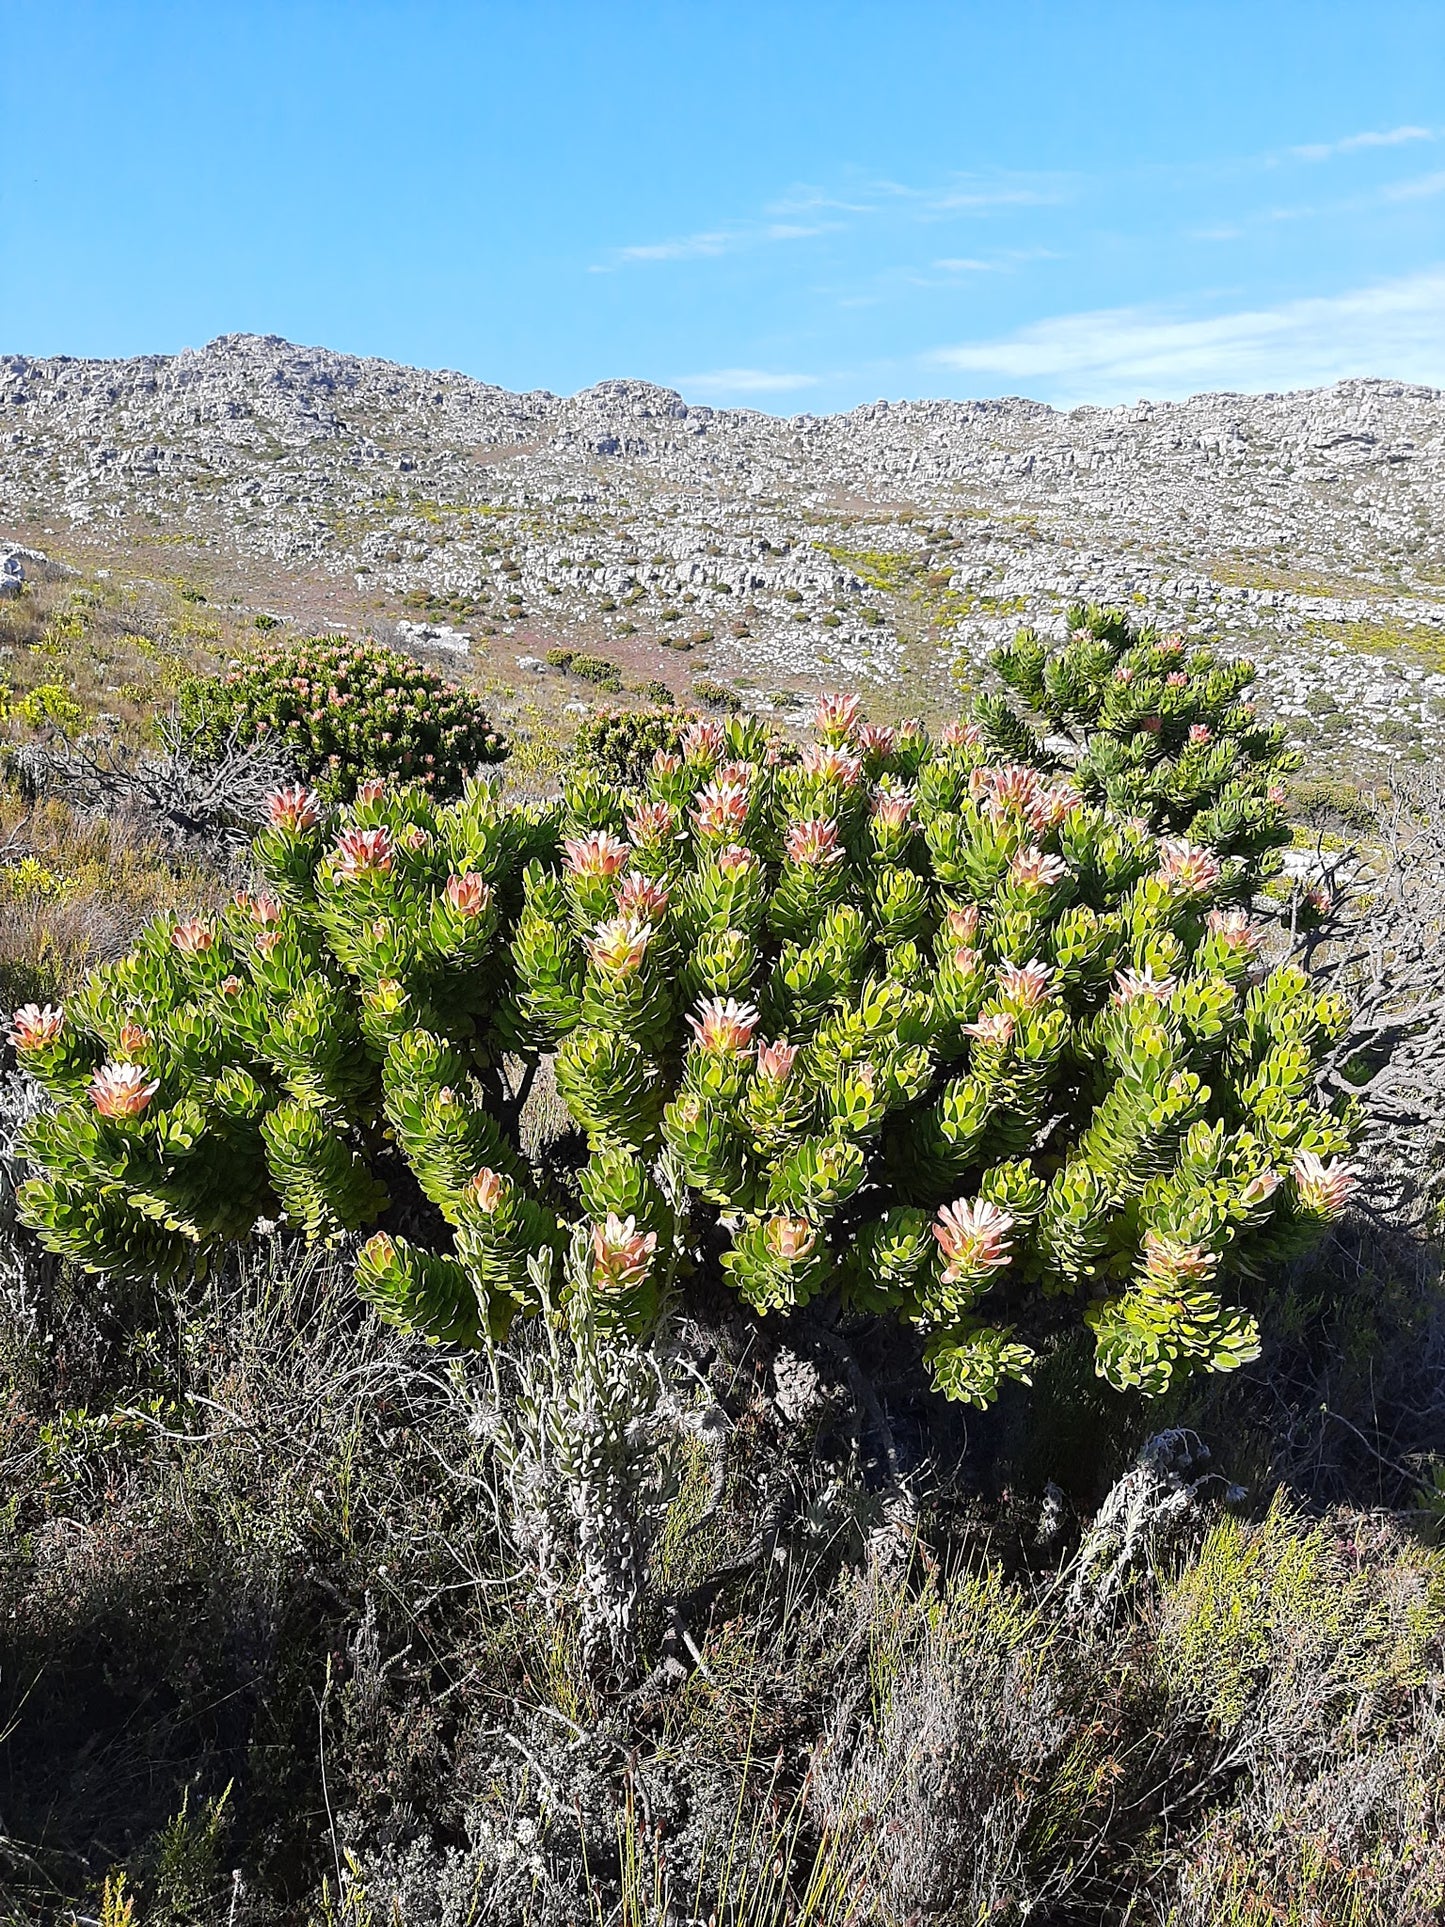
(968, 1031)
(343, 712)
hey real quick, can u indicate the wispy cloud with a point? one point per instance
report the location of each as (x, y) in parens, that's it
(723, 382)
(1352, 143)
(964, 264)
(1396, 328)
(1419, 189)
(711, 242)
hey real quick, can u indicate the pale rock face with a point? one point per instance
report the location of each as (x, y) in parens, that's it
(900, 538)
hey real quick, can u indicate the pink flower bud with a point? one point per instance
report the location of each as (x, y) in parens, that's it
(36, 1026)
(974, 1238)
(122, 1090)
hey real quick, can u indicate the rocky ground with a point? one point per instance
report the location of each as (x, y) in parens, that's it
(889, 547)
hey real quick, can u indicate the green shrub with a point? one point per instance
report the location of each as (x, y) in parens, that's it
(618, 746)
(345, 712)
(1019, 1052)
(597, 669)
(717, 695)
(560, 658)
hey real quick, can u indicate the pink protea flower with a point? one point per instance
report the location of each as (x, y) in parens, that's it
(415, 838)
(1013, 787)
(642, 896)
(362, 853)
(703, 741)
(836, 717)
(720, 812)
(1184, 866)
(775, 1061)
(1173, 1265)
(1052, 804)
(193, 937)
(487, 1190)
(891, 812)
(1025, 985)
(1319, 899)
(266, 909)
(789, 1239)
(962, 924)
(1172, 645)
(1176, 679)
(36, 1026)
(1132, 984)
(469, 895)
(621, 1254)
(665, 763)
(995, 1029)
(876, 740)
(1260, 1190)
(1032, 870)
(1277, 795)
(619, 945)
(735, 861)
(724, 1027)
(371, 790)
(598, 854)
(973, 1238)
(965, 958)
(651, 824)
(268, 942)
(960, 735)
(1200, 734)
(1233, 928)
(740, 775)
(1123, 673)
(228, 986)
(832, 764)
(1322, 1188)
(133, 1040)
(295, 808)
(122, 1090)
(813, 841)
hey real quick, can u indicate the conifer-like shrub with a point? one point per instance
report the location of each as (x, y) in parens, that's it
(618, 745)
(344, 712)
(970, 1031)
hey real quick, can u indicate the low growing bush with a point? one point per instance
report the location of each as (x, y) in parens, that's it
(970, 1034)
(343, 712)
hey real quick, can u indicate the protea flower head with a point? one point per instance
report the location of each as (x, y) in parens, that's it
(228, 987)
(642, 896)
(1176, 679)
(996, 1029)
(876, 740)
(1031, 869)
(961, 735)
(703, 741)
(723, 1026)
(1200, 734)
(735, 861)
(740, 775)
(362, 853)
(813, 841)
(665, 763)
(619, 945)
(1185, 867)
(268, 942)
(1172, 644)
(266, 909)
(973, 1238)
(836, 717)
(371, 790)
(1260, 1190)
(36, 1026)
(962, 923)
(789, 1239)
(132, 1040)
(1322, 1188)
(1132, 984)
(122, 1090)
(1123, 673)
(598, 854)
(652, 823)
(1025, 985)
(1012, 787)
(892, 811)
(1052, 804)
(295, 808)
(469, 895)
(621, 1254)
(832, 764)
(487, 1190)
(193, 938)
(720, 812)
(1233, 928)
(1277, 795)
(775, 1061)
(415, 838)
(1173, 1265)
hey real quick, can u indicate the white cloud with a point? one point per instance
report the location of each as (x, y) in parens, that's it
(742, 381)
(1396, 328)
(1419, 189)
(957, 264)
(1352, 143)
(712, 242)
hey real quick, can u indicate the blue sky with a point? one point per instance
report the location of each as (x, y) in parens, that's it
(784, 206)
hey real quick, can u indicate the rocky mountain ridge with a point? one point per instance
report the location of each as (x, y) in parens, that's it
(891, 544)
